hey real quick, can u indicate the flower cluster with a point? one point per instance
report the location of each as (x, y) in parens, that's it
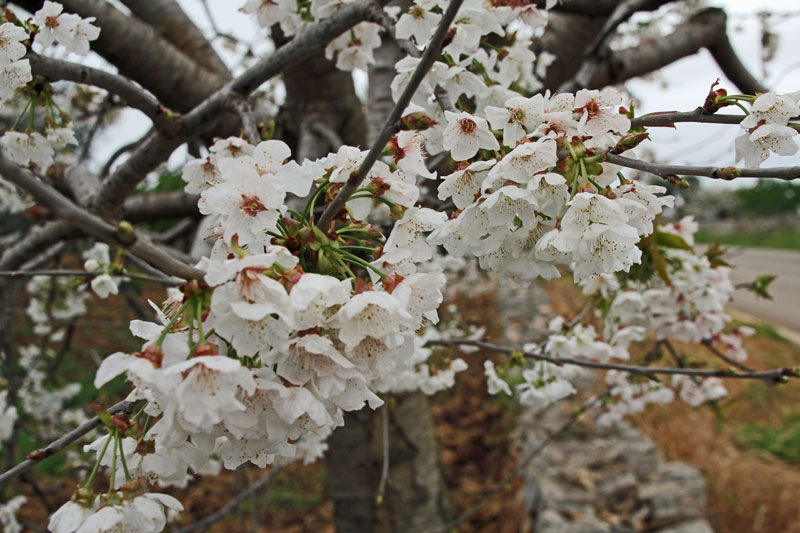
(49, 24)
(684, 298)
(767, 128)
(525, 210)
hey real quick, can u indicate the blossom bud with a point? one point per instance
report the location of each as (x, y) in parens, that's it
(417, 121)
(125, 232)
(728, 173)
(208, 348)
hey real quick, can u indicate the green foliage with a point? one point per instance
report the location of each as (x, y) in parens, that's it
(784, 238)
(770, 197)
(783, 442)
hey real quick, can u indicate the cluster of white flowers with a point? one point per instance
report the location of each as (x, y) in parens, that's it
(686, 304)
(522, 215)
(8, 417)
(98, 259)
(68, 29)
(146, 513)
(767, 128)
(631, 397)
(258, 363)
(49, 24)
(8, 514)
(53, 299)
(15, 72)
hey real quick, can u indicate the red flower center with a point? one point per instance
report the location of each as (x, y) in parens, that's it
(467, 125)
(251, 205)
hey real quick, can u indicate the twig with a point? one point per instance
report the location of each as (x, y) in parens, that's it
(698, 115)
(497, 487)
(249, 122)
(81, 273)
(776, 375)
(116, 155)
(61, 443)
(385, 447)
(322, 129)
(233, 504)
(390, 126)
(708, 343)
(664, 171)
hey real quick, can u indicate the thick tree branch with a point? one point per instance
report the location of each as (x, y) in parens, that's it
(93, 225)
(172, 24)
(141, 54)
(134, 95)
(391, 125)
(146, 207)
(40, 238)
(733, 68)
(726, 173)
(158, 146)
(61, 443)
(706, 29)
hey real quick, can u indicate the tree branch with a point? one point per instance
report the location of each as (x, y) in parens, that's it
(727, 173)
(92, 224)
(141, 54)
(777, 375)
(82, 274)
(157, 147)
(172, 24)
(669, 119)
(147, 207)
(61, 443)
(134, 95)
(391, 125)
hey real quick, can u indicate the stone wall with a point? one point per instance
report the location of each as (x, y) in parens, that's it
(591, 480)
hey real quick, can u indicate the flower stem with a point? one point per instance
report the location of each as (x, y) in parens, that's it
(128, 476)
(172, 322)
(90, 481)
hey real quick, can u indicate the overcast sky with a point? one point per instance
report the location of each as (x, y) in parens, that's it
(681, 86)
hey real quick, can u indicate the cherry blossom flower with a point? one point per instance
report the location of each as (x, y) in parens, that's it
(27, 149)
(465, 134)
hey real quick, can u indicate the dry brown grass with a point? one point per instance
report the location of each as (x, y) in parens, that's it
(749, 491)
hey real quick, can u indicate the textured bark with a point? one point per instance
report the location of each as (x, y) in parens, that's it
(171, 23)
(559, 39)
(140, 54)
(417, 496)
(317, 91)
(352, 473)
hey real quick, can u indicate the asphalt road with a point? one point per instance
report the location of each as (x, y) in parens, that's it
(784, 309)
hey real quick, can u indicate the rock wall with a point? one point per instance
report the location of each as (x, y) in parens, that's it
(591, 480)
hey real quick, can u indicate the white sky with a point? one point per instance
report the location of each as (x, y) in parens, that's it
(681, 86)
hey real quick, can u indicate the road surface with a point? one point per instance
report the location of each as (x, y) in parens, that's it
(784, 309)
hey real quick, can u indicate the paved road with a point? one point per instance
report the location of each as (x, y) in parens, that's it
(784, 308)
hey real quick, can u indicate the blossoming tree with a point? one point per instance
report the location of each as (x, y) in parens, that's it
(312, 289)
